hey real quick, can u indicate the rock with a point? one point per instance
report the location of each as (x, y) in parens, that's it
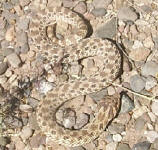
(37, 140)
(126, 104)
(68, 3)
(111, 146)
(3, 67)
(78, 148)
(148, 42)
(150, 83)
(69, 119)
(24, 48)
(98, 95)
(26, 132)
(150, 68)
(2, 23)
(108, 30)
(155, 144)
(139, 54)
(127, 14)
(23, 23)
(21, 38)
(10, 34)
(137, 112)
(137, 44)
(81, 120)
(3, 141)
(151, 135)
(111, 90)
(98, 12)
(117, 137)
(137, 83)
(101, 3)
(32, 102)
(24, 2)
(7, 51)
(123, 147)
(115, 128)
(14, 60)
(154, 107)
(13, 122)
(142, 146)
(33, 122)
(139, 124)
(80, 7)
(26, 108)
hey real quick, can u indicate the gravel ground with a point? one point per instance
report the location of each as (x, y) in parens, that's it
(134, 27)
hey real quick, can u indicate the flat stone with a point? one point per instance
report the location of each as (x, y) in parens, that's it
(117, 137)
(80, 8)
(3, 141)
(98, 12)
(150, 68)
(101, 3)
(3, 67)
(115, 128)
(7, 51)
(123, 147)
(151, 135)
(126, 104)
(150, 82)
(139, 54)
(26, 132)
(127, 14)
(137, 83)
(142, 146)
(14, 60)
(23, 23)
(108, 30)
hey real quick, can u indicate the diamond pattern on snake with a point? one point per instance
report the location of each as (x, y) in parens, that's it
(76, 47)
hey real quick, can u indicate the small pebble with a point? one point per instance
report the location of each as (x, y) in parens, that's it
(26, 132)
(154, 108)
(10, 34)
(150, 68)
(126, 104)
(151, 135)
(115, 128)
(137, 83)
(98, 12)
(111, 146)
(80, 8)
(142, 146)
(3, 141)
(117, 137)
(14, 60)
(3, 67)
(122, 146)
(150, 83)
(25, 108)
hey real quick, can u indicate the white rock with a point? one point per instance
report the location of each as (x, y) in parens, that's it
(117, 137)
(26, 132)
(154, 108)
(148, 42)
(111, 146)
(137, 44)
(151, 135)
(10, 34)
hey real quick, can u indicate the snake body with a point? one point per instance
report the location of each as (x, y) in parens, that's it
(76, 49)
